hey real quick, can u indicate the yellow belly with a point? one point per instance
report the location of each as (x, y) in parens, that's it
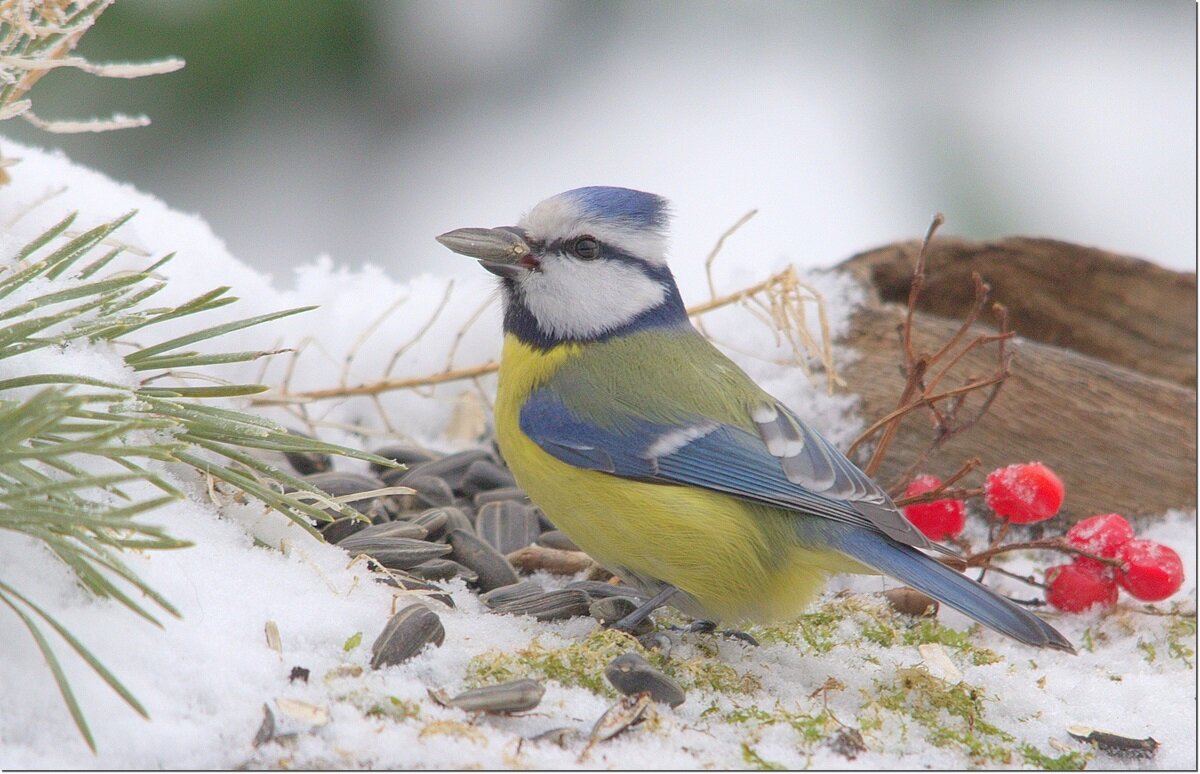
(736, 560)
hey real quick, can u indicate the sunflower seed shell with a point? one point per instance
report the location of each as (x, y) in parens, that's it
(444, 569)
(507, 525)
(631, 674)
(405, 635)
(551, 606)
(399, 553)
(493, 569)
(506, 594)
(515, 696)
(499, 495)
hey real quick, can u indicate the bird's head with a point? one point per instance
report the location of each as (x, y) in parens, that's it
(580, 266)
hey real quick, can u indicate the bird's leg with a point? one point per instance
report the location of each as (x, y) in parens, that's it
(630, 622)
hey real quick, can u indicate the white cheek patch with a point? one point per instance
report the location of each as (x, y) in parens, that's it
(580, 300)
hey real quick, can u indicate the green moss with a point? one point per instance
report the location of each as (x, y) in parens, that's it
(1180, 635)
(394, 708)
(1071, 761)
(928, 630)
(1151, 653)
(811, 728)
(820, 630)
(581, 664)
(756, 761)
(951, 714)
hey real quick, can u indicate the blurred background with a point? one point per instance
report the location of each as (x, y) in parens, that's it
(362, 129)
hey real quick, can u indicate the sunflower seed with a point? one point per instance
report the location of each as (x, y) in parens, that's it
(1114, 744)
(631, 674)
(544, 520)
(515, 696)
(443, 569)
(434, 521)
(457, 518)
(557, 539)
(558, 736)
(506, 594)
(627, 712)
(612, 609)
(600, 589)
(266, 729)
(398, 553)
(431, 492)
(551, 606)
(340, 482)
(306, 463)
(341, 528)
(405, 455)
(659, 641)
(483, 475)
(507, 525)
(405, 635)
(302, 711)
(452, 468)
(493, 569)
(391, 529)
(498, 495)
(409, 582)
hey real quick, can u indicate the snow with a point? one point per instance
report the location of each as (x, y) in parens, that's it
(205, 677)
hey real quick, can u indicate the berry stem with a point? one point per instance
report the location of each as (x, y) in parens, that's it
(983, 558)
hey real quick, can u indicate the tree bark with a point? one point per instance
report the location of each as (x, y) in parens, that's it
(1118, 424)
(1120, 309)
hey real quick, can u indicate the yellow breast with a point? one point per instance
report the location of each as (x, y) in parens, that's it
(736, 560)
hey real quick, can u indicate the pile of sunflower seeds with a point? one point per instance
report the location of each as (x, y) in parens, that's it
(466, 518)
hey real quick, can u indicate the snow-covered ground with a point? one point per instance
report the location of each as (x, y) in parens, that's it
(204, 678)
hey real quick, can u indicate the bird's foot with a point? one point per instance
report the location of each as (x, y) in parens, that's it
(710, 627)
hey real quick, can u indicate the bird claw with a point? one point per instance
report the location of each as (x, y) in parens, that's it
(710, 627)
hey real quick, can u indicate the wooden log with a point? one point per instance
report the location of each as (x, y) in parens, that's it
(1121, 309)
(1122, 441)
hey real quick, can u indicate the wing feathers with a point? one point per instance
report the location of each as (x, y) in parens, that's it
(784, 464)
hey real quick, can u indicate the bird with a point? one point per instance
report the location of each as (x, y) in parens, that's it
(659, 456)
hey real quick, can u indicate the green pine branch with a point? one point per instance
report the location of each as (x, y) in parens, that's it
(80, 456)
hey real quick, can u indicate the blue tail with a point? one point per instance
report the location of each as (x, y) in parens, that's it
(950, 587)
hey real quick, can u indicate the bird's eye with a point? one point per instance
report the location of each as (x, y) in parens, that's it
(585, 247)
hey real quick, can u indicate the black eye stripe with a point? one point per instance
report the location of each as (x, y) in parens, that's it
(585, 247)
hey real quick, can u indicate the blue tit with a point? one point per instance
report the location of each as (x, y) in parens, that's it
(658, 455)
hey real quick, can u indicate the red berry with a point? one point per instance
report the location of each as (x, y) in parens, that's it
(1100, 535)
(938, 520)
(1150, 571)
(1025, 493)
(1076, 587)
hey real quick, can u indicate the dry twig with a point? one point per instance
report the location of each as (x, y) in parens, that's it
(925, 373)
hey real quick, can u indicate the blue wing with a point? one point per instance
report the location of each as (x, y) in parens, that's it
(785, 464)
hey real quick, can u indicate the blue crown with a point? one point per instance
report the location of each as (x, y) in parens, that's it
(635, 208)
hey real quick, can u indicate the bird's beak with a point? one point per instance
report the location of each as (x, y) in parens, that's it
(502, 251)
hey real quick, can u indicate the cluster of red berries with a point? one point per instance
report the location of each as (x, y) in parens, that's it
(1028, 493)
